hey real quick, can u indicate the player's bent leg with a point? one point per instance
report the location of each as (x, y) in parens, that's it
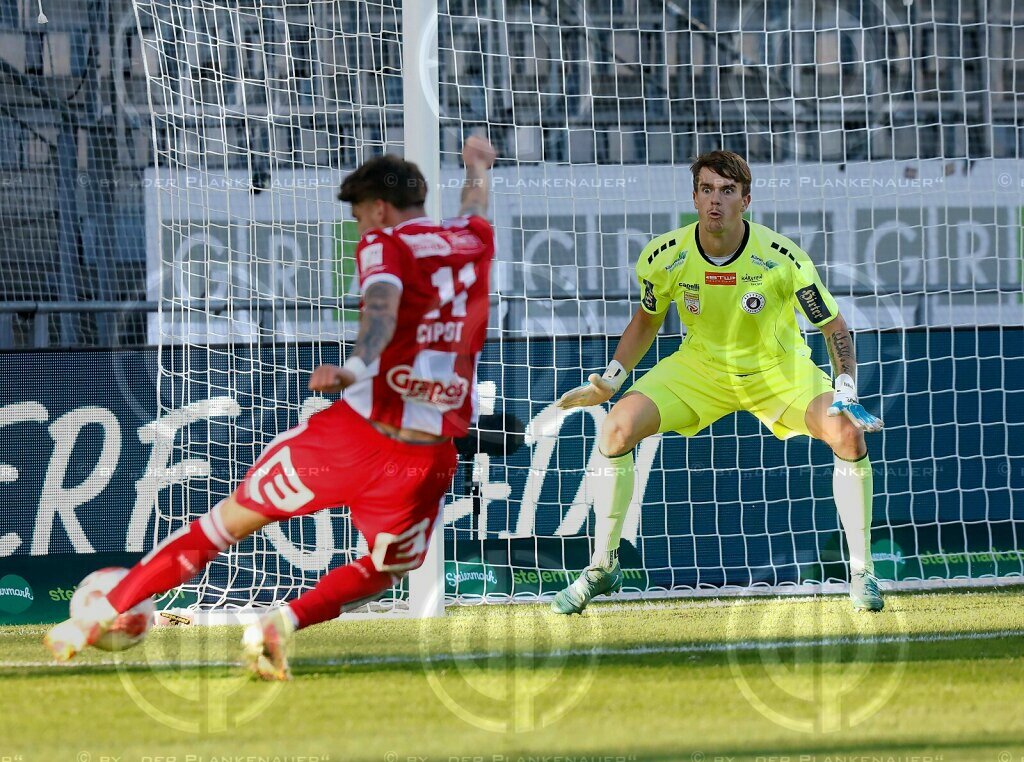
(839, 433)
(853, 489)
(397, 510)
(631, 420)
(185, 553)
(266, 642)
(174, 561)
(282, 483)
(265, 645)
(341, 590)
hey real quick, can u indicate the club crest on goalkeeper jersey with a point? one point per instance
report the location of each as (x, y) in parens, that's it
(425, 379)
(741, 315)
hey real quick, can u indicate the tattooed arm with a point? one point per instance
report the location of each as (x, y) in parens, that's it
(376, 327)
(844, 363)
(377, 320)
(840, 347)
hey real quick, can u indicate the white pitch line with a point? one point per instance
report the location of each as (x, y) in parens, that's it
(690, 648)
(618, 605)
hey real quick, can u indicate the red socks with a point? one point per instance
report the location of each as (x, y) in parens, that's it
(184, 554)
(177, 559)
(353, 583)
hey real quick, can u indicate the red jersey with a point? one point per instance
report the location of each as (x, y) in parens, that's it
(425, 379)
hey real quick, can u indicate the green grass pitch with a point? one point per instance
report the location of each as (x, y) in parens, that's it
(936, 675)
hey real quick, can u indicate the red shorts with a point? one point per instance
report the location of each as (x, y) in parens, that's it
(393, 489)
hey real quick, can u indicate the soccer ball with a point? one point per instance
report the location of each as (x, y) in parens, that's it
(130, 627)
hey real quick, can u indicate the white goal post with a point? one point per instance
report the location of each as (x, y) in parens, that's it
(884, 138)
(423, 146)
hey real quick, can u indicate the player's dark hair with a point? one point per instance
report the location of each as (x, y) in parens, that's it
(725, 164)
(389, 178)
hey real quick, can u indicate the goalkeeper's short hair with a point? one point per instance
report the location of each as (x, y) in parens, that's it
(389, 178)
(725, 164)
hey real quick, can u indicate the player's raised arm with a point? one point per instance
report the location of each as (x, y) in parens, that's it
(844, 363)
(478, 155)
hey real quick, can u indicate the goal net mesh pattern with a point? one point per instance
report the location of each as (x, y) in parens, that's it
(884, 139)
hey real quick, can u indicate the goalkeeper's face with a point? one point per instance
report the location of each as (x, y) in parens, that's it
(719, 201)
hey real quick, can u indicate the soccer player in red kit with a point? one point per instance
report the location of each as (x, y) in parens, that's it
(385, 448)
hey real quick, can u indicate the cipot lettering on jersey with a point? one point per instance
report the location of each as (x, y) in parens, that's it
(447, 331)
(449, 394)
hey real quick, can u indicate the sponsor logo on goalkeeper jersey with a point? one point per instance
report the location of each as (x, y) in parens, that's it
(752, 302)
(720, 279)
(813, 304)
(690, 286)
(15, 594)
(680, 258)
(649, 300)
(447, 395)
(765, 264)
(752, 279)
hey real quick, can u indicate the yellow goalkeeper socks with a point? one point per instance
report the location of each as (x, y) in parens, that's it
(610, 508)
(853, 487)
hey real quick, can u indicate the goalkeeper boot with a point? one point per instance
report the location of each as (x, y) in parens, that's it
(68, 638)
(265, 646)
(594, 581)
(864, 592)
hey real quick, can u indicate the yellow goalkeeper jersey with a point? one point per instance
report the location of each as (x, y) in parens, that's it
(740, 315)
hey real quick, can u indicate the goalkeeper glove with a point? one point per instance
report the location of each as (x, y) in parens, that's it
(845, 401)
(598, 389)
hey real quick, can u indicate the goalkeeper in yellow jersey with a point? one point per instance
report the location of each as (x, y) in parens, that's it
(737, 286)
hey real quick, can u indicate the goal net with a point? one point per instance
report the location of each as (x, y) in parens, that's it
(884, 138)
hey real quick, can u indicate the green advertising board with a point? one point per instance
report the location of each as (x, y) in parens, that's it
(909, 553)
(528, 566)
(37, 589)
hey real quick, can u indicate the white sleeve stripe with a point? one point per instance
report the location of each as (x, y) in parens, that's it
(209, 527)
(394, 280)
(218, 523)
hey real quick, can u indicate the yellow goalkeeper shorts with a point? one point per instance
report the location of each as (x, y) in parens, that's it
(684, 383)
